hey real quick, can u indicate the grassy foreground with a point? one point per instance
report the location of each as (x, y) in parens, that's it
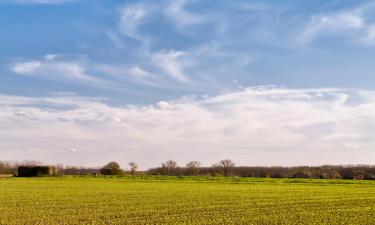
(161, 200)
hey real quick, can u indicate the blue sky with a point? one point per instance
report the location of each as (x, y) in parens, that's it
(90, 65)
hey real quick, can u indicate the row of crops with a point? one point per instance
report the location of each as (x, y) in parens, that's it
(83, 200)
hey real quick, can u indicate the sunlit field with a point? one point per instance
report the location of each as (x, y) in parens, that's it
(185, 200)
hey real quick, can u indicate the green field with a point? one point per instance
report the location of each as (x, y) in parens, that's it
(160, 200)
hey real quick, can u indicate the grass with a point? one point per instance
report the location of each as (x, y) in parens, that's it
(185, 200)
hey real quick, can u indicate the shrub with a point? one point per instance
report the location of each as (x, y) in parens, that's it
(112, 168)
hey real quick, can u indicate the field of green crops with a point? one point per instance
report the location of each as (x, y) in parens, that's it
(158, 200)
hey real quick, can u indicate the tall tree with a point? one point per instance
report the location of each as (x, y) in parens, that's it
(193, 167)
(133, 167)
(169, 167)
(226, 166)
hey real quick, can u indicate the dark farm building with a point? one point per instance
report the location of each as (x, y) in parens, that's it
(36, 171)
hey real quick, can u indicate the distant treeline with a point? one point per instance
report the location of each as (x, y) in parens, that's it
(227, 167)
(223, 168)
(360, 172)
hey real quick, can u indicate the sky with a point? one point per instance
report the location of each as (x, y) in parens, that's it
(264, 83)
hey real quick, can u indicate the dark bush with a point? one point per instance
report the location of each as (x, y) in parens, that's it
(112, 168)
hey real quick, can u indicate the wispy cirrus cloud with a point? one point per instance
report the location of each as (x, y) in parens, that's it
(169, 62)
(180, 16)
(253, 126)
(56, 67)
(78, 69)
(354, 24)
(132, 17)
(28, 67)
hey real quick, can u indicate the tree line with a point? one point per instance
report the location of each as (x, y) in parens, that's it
(227, 167)
(224, 167)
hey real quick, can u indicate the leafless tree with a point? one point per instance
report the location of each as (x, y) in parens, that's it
(215, 169)
(193, 166)
(226, 166)
(31, 163)
(133, 167)
(169, 167)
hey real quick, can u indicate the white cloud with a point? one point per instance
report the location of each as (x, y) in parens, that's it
(169, 62)
(51, 57)
(55, 67)
(26, 67)
(254, 126)
(369, 38)
(180, 16)
(126, 73)
(163, 105)
(352, 23)
(367, 95)
(132, 17)
(139, 72)
(322, 25)
(72, 149)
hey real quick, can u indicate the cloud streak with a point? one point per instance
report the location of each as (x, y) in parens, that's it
(170, 64)
(132, 17)
(353, 23)
(180, 16)
(59, 68)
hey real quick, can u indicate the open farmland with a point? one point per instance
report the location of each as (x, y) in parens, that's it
(158, 200)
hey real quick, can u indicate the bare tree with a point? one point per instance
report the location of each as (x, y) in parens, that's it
(4, 167)
(215, 169)
(193, 166)
(31, 163)
(133, 167)
(169, 167)
(226, 166)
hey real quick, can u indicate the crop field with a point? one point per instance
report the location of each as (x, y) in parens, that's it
(157, 200)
